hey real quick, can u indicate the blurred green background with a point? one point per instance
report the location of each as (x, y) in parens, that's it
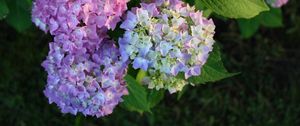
(266, 93)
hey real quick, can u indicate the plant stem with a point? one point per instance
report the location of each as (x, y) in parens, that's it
(140, 76)
(78, 120)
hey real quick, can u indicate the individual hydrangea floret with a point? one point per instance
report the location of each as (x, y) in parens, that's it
(59, 16)
(277, 3)
(167, 37)
(84, 79)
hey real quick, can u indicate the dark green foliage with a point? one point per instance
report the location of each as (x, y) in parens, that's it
(19, 16)
(270, 19)
(137, 98)
(248, 27)
(213, 70)
(154, 97)
(3, 9)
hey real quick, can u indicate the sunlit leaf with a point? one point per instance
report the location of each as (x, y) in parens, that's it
(235, 8)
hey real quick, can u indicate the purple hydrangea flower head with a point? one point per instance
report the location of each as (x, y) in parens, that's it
(164, 38)
(277, 3)
(84, 76)
(59, 16)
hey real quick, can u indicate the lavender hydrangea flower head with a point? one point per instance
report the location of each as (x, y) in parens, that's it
(277, 3)
(164, 38)
(84, 78)
(66, 15)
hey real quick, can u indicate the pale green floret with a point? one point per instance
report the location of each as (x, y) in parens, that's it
(143, 17)
(197, 31)
(144, 41)
(176, 22)
(166, 28)
(176, 85)
(159, 81)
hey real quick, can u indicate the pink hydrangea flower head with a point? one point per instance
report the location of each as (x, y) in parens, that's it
(277, 3)
(59, 16)
(83, 76)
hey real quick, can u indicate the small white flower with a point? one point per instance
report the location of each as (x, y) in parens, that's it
(143, 17)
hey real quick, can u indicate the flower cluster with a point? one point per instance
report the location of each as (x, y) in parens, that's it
(65, 15)
(85, 73)
(164, 38)
(86, 69)
(277, 3)
(84, 80)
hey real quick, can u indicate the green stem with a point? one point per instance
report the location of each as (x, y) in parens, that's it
(78, 120)
(140, 76)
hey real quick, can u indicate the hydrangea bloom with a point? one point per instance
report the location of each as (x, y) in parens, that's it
(85, 73)
(164, 38)
(83, 76)
(277, 3)
(59, 16)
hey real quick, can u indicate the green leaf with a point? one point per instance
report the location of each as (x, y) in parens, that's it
(137, 98)
(3, 9)
(154, 97)
(235, 8)
(19, 18)
(213, 70)
(199, 5)
(249, 27)
(272, 18)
